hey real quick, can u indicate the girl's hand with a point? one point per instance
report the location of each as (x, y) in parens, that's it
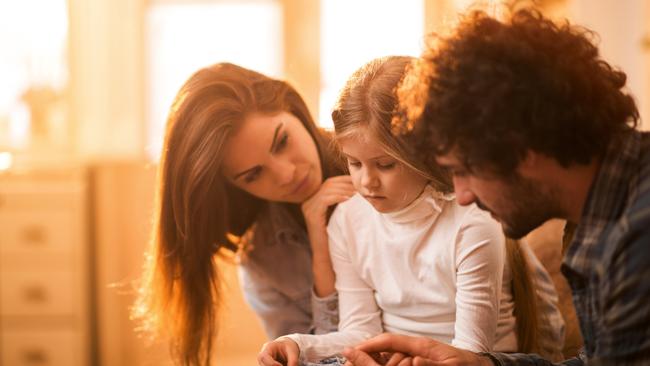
(333, 190)
(279, 352)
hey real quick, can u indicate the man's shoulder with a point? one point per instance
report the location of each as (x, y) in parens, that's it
(638, 212)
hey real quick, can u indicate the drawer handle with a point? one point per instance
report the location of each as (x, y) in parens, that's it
(35, 294)
(34, 234)
(35, 357)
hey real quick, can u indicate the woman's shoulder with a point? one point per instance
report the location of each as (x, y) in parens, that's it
(274, 223)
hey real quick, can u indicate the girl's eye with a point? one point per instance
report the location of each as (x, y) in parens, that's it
(253, 175)
(386, 166)
(282, 143)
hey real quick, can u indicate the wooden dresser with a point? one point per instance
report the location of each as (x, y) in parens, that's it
(45, 281)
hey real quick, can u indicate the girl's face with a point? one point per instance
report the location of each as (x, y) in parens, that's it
(381, 179)
(273, 157)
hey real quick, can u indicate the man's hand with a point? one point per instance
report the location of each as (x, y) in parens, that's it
(420, 351)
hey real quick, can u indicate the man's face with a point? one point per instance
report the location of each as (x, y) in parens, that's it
(520, 204)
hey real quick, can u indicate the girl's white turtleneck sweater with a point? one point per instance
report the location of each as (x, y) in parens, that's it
(433, 269)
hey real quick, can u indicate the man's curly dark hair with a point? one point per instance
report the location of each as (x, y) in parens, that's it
(492, 90)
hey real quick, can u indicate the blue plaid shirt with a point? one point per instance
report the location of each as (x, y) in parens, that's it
(607, 264)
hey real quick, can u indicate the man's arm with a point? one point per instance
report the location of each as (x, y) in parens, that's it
(427, 352)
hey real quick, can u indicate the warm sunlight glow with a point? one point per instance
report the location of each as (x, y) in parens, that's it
(6, 160)
(185, 37)
(352, 35)
(33, 40)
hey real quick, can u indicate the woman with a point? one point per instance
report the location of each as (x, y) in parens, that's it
(244, 169)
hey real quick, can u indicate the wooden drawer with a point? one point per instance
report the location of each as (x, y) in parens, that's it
(40, 348)
(39, 197)
(39, 233)
(38, 293)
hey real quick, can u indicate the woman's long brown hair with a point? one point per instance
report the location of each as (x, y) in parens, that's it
(369, 100)
(198, 213)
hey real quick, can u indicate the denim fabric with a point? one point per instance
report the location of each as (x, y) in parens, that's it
(276, 277)
(331, 361)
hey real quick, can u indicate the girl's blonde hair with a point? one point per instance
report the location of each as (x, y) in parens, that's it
(367, 104)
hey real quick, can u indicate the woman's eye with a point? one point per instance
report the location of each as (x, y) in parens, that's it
(386, 166)
(282, 143)
(252, 176)
(354, 164)
(458, 173)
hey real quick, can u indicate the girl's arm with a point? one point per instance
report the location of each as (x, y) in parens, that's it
(360, 315)
(480, 258)
(551, 322)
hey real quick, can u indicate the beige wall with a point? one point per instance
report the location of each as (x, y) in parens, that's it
(106, 58)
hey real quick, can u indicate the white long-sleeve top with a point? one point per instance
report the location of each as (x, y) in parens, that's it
(432, 269)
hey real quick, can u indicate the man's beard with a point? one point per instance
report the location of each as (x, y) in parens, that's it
(527, 207)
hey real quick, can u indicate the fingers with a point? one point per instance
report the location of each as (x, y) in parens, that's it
(279, 350)
(328, 194)
(340, 182)
(395, 359)
(264, 359)
(292, 359)
(330, 199)
(415, 346)
(406, 361)
(358, 358)
(419, 361)
(339, 178)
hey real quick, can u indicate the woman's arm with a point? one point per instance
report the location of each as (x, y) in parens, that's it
(333, 191)
(279, 314)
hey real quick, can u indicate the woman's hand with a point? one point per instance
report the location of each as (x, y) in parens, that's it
(279, 352)
(333, 190)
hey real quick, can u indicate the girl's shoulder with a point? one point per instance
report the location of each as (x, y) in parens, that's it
(355, 210)
(471, 218)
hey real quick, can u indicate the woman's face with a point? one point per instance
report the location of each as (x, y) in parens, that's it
(273, 157)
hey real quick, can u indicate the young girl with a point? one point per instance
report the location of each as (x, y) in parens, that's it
(409, 259)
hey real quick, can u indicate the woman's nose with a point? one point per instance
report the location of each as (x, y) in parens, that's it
(283, 170)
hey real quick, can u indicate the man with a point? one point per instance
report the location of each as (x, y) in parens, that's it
(533, 125)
